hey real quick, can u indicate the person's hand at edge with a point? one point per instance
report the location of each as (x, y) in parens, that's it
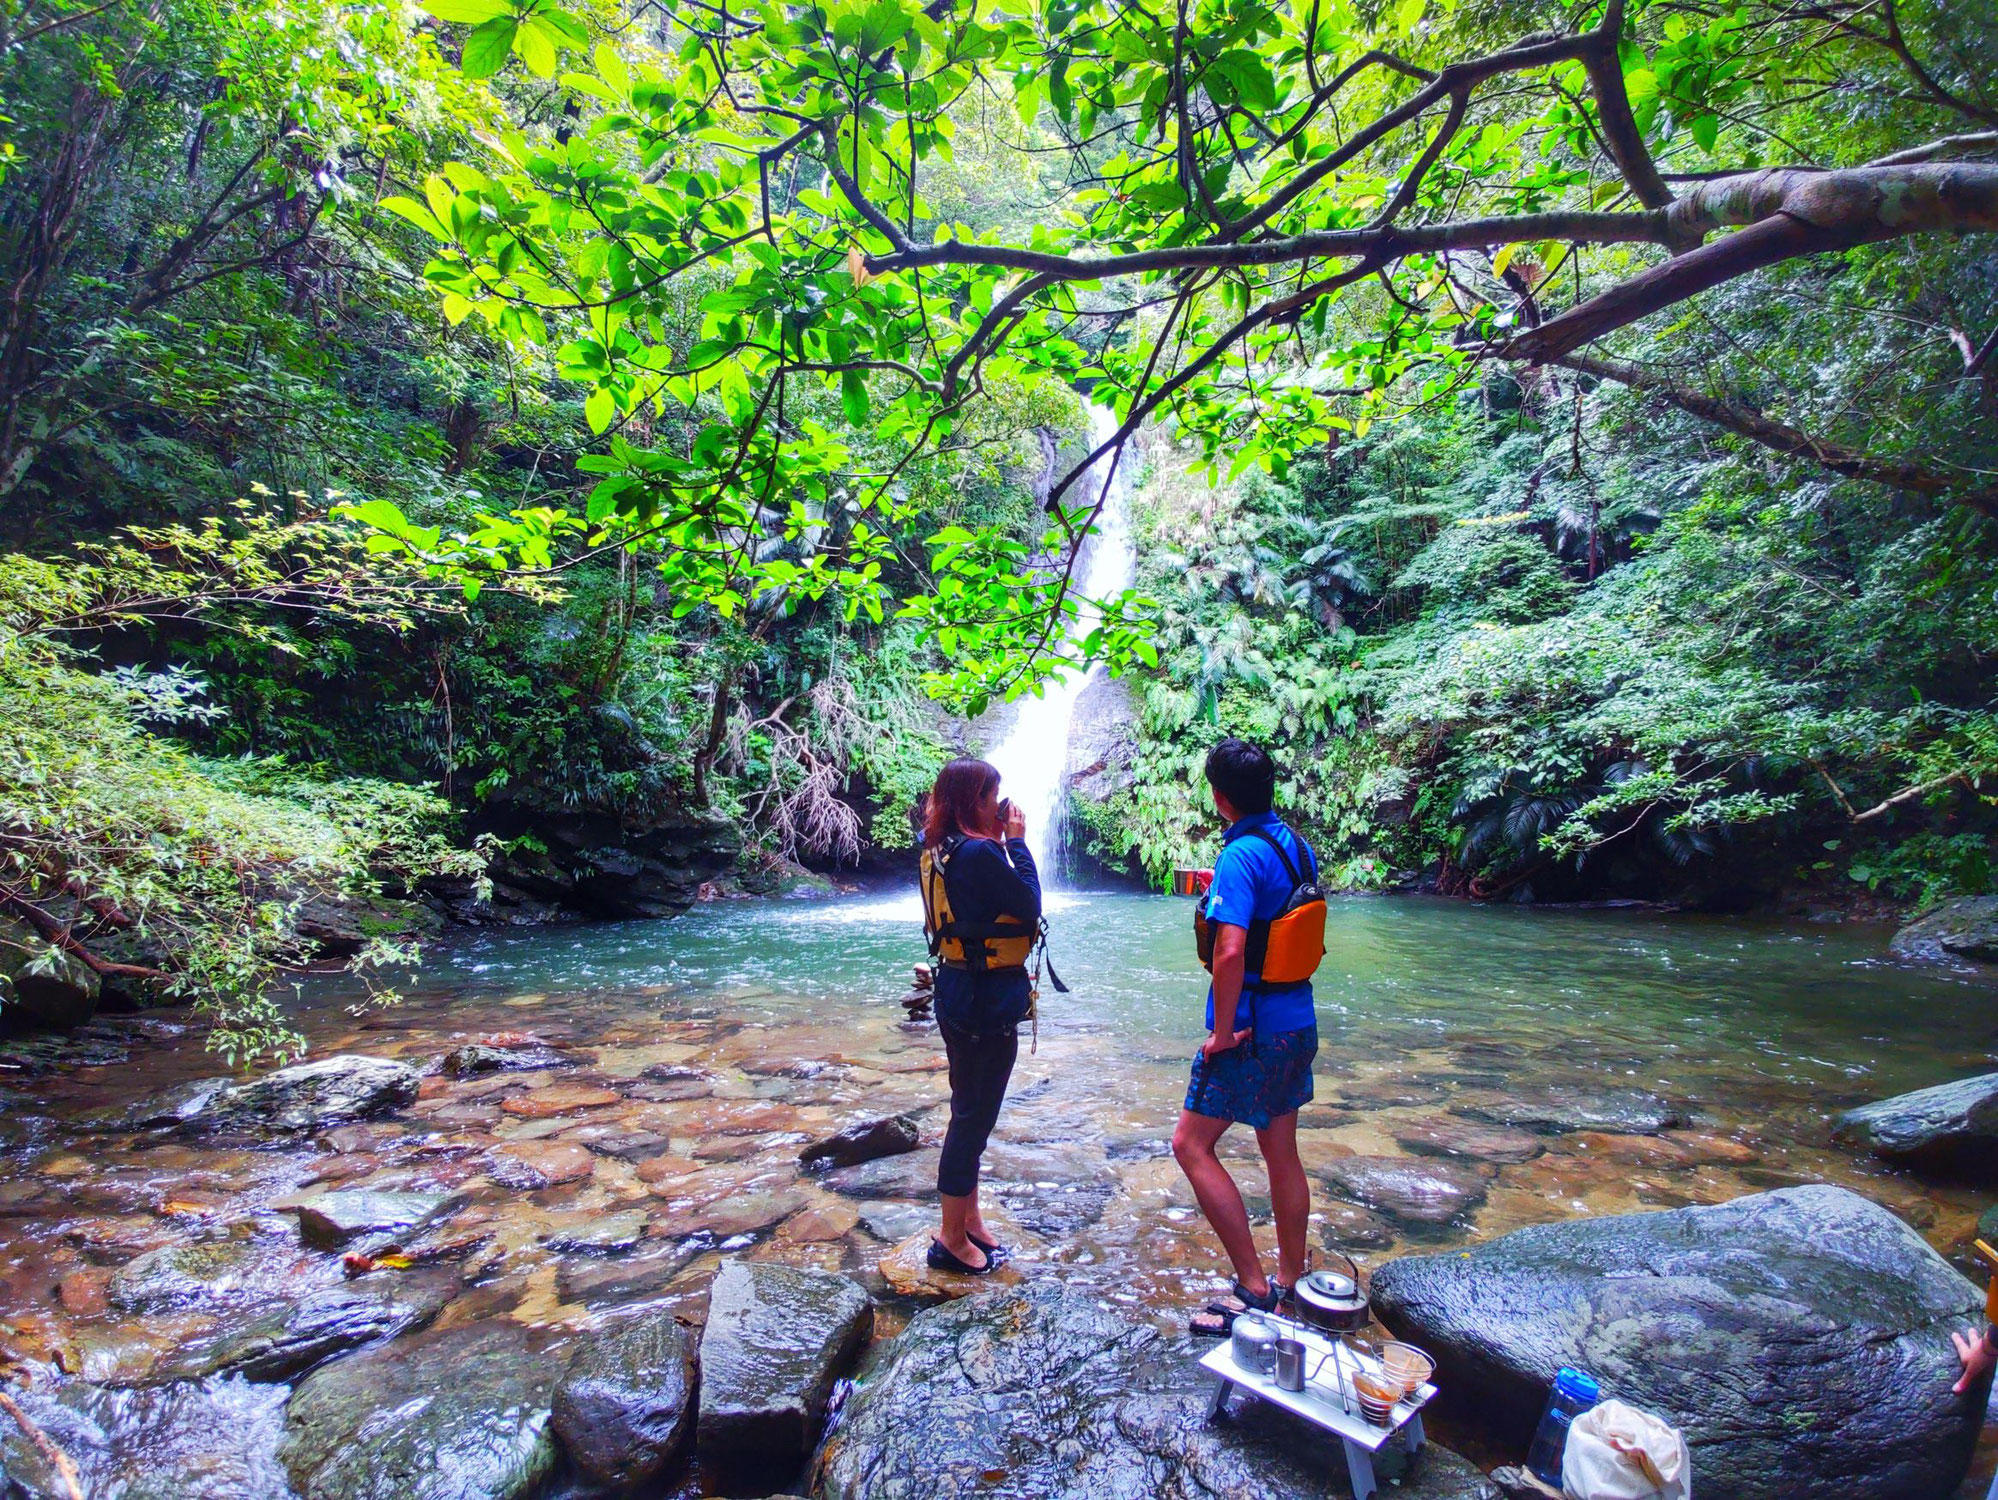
(1215, 1045)
(1978, 1355)
(1016, 821)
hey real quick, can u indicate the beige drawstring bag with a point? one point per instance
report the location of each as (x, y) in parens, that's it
(1616, 1452)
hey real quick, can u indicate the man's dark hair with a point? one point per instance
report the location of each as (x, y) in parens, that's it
(1244, 774)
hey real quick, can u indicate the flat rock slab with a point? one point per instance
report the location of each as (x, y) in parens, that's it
(1347, 1226)
(1037, 1391)
(1956, 930)
(1554, 1111)
(528, 1165)
(776, 1339)
(1799, 1338)
(207, 1275)
(867, 1140)
(1952, 1125)
(910, 1175)
(895, 1222)
(1448, 1135)
(1415, 1190)
(286, 1342)
(560, 1099)
(738, 1214)
(327, 1221)
(606, 1234)
(625, 1409)
(906, 1269)
(458, 1414)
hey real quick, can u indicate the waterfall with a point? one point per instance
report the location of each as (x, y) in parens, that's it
(1033, 758)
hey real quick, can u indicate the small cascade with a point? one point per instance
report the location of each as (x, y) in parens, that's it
(1033, 760)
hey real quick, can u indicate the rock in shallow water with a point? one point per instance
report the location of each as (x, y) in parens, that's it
(1953, 1125)
(1800, 1338)
(212, 1439)
(327, 1221)
(1967, 928)
(458, 1414)
(307, 1096)
(284, 1344)
(1412, 1189)
(623, 1411)
(1554, 1110)
(776, 1339)
(1037, 1391)
(869, 1140)
(1448, 1136)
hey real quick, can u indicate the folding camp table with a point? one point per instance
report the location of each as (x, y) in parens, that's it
(1319, 1402)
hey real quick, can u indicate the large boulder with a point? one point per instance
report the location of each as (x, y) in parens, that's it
(305, 1097)
(1953, 1125)
(1038, 1390)
(776, 1340)
(1799, 1338)
(455, 1414)
(1956, 930)
(43, 985)
(625, 1409)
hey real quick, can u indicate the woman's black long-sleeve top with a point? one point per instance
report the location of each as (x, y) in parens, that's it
(987, 881)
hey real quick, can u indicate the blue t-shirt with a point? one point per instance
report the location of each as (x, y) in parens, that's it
(1251, 885)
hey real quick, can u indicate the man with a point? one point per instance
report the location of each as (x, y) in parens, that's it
(1254, 1068)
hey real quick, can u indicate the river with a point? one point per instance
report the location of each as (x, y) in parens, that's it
(730, 1037)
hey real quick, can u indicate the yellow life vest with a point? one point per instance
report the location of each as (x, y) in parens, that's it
(1283, 949)
(977, 946)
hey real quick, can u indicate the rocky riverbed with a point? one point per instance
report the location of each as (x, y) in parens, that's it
(554, 1144)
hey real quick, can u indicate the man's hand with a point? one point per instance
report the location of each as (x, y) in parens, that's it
(1224, 1041)
(1974, 1349)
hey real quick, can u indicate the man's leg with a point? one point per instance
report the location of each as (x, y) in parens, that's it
(1193, 1141)
(1290, 1193)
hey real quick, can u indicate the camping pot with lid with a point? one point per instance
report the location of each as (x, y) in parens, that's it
(1333, 1300)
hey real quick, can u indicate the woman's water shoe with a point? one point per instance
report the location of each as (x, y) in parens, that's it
(940, 1259)
(994, 1251)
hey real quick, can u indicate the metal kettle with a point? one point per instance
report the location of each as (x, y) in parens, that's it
(1333, 1300)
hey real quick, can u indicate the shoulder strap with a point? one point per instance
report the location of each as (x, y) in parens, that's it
(1288, 868)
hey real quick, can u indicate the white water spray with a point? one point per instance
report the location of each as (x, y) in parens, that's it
(1033, 759)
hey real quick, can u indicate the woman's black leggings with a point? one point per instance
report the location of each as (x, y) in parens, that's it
(980, 1065)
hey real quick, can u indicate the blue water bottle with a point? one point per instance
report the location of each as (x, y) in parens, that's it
(1574, 1393)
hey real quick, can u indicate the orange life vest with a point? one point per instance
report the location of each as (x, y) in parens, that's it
(1286, 948)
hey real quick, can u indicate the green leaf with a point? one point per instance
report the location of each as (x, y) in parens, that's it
(1706, 130)
(486, 49)
(853, 396)
(600, 409)
(468, 12)
(536, 45)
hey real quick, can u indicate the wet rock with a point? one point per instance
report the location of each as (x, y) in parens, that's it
(1952, 1125)
(286, 1343)
(1347, 1226)
(608, 1234)
(820, 1225)
(625, 1145)
(625, 1408)
(1962, 929)
(868, 1140)
(895, 1222)
(776, 1339)
(1414, 1190)
(477, 1058)
(560, 1099)
(213, 1439)
(307, 1096)
(327, 1221)
(1137, 1148)
(1445, 1135)
(44, 986)
(340, 926)
(598, 1282)
(1388, 1093)
(725, 1218)
(1552, 1111)
(1799, 1338)
(1036, 1390)
(176, 1277)
(455, 1414)
(910, 1175)
(527, 1165)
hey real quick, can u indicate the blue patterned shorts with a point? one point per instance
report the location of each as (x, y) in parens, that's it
(1267, 1076)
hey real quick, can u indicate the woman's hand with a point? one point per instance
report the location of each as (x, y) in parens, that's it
(1016, 821)
(1224, 1041)
(1977, 1354)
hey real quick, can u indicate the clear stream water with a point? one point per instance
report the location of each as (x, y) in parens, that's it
(785, 1014)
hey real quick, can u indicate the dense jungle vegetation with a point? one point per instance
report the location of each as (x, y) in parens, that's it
(1565, 431)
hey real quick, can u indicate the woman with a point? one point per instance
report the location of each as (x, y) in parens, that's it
(982, 906)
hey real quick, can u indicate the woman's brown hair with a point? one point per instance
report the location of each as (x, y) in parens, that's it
(953, 803)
